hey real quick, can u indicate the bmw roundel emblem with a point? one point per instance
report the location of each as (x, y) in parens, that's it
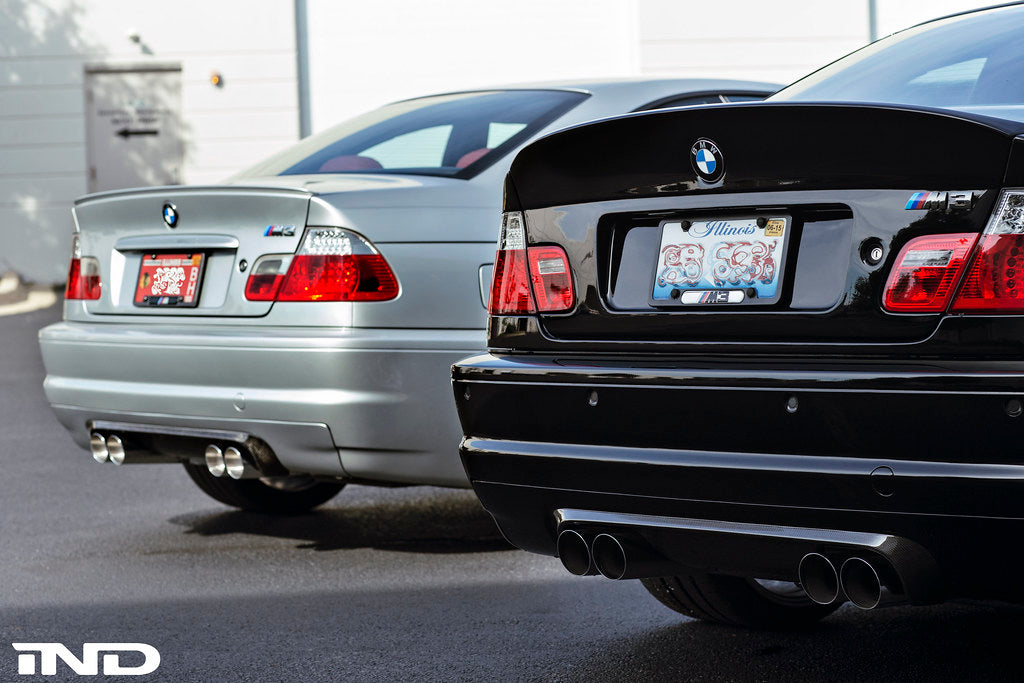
(707, 160)
(170, 215)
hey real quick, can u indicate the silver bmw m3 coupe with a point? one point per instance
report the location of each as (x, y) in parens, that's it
(293, 329)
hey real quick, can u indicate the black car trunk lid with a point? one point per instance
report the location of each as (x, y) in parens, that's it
(853, 185)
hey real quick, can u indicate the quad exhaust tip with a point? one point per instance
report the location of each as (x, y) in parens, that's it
(819, 578)
(574, 552)
(214, 457)
(609, 556)
(861, 583)
(115, 449)
(98, 446)
(233, 462)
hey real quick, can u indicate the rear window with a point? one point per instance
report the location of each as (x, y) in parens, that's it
(447, 135)
(970, 60)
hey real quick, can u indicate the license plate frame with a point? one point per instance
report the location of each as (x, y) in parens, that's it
(158, 273)
(720, 261)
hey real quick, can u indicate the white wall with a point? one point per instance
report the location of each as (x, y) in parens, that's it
(778, 41)
(43, 47)
(364, 54)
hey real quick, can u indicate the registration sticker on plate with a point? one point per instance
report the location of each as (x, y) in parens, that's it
(169, 280)
(720, 261)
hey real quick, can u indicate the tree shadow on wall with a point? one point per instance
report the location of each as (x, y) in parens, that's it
(44, 47)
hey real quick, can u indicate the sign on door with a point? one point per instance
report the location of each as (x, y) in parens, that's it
(134, 130)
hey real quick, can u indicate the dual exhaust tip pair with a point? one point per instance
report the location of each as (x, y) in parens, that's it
(107, 448)
(610, 556)
(859, 579)
(226, 462)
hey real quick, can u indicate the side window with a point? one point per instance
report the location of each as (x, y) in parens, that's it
(423, 148)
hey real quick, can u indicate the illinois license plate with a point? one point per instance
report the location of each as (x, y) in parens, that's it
(170, 280)
(720, 261)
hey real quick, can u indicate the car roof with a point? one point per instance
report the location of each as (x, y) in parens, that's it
(639, 85)
(963, 12)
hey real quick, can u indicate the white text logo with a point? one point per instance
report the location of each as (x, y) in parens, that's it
(89, 664)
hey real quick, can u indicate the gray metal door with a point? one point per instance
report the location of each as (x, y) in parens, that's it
(133, 125)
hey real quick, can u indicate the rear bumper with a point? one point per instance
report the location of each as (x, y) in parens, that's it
(929, 453)
(367, 404)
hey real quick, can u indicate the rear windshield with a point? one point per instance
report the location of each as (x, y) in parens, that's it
(445, 135)
(969, 61)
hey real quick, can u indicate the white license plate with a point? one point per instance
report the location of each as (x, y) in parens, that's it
(721, 261)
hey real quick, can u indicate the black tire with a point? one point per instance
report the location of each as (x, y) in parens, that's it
(736, 601)
(282, 495)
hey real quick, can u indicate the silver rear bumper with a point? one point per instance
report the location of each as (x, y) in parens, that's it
(371, 404)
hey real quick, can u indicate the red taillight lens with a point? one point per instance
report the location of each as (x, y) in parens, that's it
(510, 288)
(551, 278)
(83, 274)
(995, 278)
(523, 275)
(510, 285)
(83, 279)
(926, 272)
(339, 277)
(331, 264)
(266, 277)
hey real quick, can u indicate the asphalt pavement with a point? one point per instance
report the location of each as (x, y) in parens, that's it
(379, 584)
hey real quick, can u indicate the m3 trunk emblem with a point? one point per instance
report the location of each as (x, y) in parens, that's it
(707, 160)
(170, 215)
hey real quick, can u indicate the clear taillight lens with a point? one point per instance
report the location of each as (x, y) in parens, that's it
(83, 275)
(995, 276)
(926, 273)
(331, 264)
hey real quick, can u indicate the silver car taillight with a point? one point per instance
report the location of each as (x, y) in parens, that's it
(331, 264)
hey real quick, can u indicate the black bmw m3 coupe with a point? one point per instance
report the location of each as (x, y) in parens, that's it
(769, 358)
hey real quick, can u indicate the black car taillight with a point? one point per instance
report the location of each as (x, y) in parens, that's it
(978, 274)
(926, 273)
(528, 279)
(995, 277)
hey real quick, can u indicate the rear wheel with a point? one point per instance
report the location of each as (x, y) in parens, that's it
(737, 601)
(282, 495)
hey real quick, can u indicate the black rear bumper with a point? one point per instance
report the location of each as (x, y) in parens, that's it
(930, 453)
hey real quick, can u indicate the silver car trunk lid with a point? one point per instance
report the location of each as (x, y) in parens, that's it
(229, 227)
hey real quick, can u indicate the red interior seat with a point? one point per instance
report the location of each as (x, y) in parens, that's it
(469, 157)
(350, 162)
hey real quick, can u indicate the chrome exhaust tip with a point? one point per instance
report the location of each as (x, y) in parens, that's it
(98, 446)
(115, 449)
(819, 578)
(574, 552)
(233, 462)
(215, 461)
(629, 557)
(861, 583)
(609, 556)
